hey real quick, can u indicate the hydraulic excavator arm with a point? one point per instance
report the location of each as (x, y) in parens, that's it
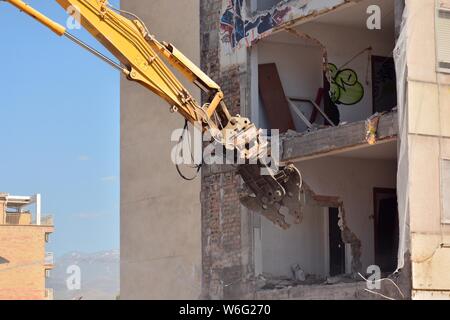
(142, 57)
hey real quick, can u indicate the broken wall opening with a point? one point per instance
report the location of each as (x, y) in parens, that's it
(333, 64)
(341, 185)
(358, 80)
(235, 44)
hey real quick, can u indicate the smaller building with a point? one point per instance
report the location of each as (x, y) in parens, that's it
(24, 262)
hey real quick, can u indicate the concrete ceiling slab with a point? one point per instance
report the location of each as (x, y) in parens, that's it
(381, 151)
(356, 16)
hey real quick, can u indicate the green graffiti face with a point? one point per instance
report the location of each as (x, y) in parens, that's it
(345, 88)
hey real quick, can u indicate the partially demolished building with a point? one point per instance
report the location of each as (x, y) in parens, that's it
(360, 91)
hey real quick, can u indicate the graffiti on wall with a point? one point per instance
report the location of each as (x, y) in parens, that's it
(345, 88)
(235, 28)
(239, 28)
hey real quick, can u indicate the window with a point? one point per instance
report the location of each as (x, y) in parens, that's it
(445, 192)
(442, 42)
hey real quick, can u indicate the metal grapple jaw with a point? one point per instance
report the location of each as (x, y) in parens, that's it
(274, 193)
(278, 197)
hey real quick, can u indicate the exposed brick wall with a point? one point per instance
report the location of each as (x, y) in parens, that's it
(221, 233)
(223, 270)
(228, 79)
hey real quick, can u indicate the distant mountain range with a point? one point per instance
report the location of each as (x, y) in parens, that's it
(99, 276)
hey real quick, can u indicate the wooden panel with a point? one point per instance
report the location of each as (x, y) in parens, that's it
(274, 99)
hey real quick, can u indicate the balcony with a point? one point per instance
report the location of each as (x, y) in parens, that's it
(26, 218)
(14, 211)
(18, 218)
(49, 260)
(47, 220)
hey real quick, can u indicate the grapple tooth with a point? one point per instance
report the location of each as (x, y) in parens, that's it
(270, 212)
(289, 180)
(293, 200)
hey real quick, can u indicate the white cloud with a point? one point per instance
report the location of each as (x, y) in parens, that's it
(109, 179)
(83, 157)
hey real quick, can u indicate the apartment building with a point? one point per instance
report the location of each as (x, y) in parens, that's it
(24, 262)
(359, 90)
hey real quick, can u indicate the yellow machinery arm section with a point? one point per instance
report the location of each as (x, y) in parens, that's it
(140, 54)
(141, 60)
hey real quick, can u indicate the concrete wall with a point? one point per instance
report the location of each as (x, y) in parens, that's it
(22, 270)
(352, 180)
(302, 244)
(226, 238)
(160, 212)
(300, 65)
(428, 142)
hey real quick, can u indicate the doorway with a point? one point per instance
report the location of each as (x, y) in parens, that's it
(384, 84)
(336, 245)
(386, 229)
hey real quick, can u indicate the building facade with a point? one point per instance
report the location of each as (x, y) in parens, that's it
(361, 108)
(160, 213)
(24, 262)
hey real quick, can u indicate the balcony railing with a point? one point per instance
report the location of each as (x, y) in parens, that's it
(26, 218)
(19, 218)
(49, 259)
(47, 220)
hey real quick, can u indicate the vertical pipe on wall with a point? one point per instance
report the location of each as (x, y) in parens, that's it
(38, 209)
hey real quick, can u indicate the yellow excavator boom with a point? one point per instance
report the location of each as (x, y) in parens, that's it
(143, 60)
(55, 27)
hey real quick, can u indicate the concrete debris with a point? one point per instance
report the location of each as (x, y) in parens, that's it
(298, 273)
(333, 280)
(344, 278)
(372, 128)
(349, 237)
(372, 125)
(270, 282)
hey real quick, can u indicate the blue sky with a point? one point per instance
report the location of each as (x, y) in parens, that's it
(60, 129)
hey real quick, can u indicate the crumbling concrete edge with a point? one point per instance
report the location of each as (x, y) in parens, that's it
(348, 236)
(296, 147)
